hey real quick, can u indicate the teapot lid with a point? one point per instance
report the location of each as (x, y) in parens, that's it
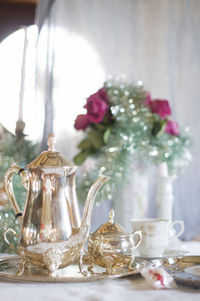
(50, 158)
(110, 228)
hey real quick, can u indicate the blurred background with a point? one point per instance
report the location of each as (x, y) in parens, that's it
(55, 53)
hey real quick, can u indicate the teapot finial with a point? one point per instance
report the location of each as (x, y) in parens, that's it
(111, 216)
(51, 142)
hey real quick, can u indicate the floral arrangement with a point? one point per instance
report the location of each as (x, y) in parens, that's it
(123, 125)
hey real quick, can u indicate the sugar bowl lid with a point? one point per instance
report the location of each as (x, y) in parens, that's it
(51, 157)
(110, 228)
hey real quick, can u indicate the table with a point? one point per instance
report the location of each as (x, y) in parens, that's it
(132, 288)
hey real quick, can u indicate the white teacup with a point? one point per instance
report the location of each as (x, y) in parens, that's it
(155, 235)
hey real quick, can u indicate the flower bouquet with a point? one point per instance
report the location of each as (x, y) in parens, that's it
(124, 126)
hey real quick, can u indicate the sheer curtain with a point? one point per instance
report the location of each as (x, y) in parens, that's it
(156, 41)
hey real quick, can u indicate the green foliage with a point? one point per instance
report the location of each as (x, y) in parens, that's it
(81, 157)
(106, 135)
(96, 138)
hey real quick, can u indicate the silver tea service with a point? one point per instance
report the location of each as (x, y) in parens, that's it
(53, 234)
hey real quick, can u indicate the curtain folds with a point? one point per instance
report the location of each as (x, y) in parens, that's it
(156, 41)
(42, 12)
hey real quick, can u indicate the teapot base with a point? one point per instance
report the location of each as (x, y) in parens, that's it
(49, 256)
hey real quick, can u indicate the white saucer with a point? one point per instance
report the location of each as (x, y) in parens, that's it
(171, 252)
(167, 254)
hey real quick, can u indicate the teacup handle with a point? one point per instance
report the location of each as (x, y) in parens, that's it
(139, 234)
(181, 223)
(8, 242)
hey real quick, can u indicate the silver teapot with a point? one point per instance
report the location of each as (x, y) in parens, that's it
(53, 234)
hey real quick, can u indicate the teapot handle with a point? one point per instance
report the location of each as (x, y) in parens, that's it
(14, 169)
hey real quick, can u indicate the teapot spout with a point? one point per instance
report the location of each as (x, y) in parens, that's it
(87, 212)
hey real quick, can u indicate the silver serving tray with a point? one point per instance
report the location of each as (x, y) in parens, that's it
(9, 268)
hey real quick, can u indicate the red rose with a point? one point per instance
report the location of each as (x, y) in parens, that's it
(97, 106)
(172, 128)
(160, 107)
(81, 122)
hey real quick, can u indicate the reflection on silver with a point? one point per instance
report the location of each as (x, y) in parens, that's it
(53, 234)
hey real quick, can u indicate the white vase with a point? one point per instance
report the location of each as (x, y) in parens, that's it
(133, 201)
(165, 201)
(165, 197)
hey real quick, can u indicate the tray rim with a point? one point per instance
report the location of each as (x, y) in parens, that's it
(32, 278)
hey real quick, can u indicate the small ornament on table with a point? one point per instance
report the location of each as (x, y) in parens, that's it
(158, 278)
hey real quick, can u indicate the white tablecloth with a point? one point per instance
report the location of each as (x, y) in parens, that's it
(132, 288)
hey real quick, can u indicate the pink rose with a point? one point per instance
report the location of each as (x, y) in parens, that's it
(172, 128)
(160, 107)
(102, 94)
(81, 122)
(97, 106)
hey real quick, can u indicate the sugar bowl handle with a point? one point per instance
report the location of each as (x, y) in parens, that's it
(14, 169)
(139, 235)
